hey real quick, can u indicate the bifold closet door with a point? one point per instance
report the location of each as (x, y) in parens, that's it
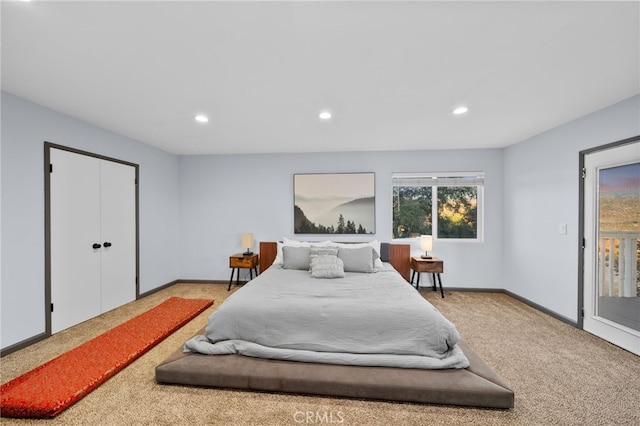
(93, 237)
(75, 228)
(118, 236)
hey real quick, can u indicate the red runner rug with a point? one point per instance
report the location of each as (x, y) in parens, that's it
(53, 387)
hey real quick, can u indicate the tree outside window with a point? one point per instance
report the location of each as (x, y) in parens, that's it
(453, 199)
(412, 211)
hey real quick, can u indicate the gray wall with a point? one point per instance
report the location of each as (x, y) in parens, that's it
(541, 192)
(222, 196)
(193, 209)
(25, 127)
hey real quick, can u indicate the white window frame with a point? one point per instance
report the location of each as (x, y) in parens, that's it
(437, 179)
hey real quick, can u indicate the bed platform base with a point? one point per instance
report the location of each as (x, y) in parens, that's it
(476, 386)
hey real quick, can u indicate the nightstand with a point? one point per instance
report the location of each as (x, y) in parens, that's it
(434, 266)
(240, 260)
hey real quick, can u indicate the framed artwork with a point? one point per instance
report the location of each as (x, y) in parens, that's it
(334, 203)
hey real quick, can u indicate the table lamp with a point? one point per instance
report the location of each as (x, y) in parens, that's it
(247, 242)
(426, 244)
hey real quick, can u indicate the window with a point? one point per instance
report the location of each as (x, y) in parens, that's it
(453, 199)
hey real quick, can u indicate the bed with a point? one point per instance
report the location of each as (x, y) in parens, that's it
(340, 322)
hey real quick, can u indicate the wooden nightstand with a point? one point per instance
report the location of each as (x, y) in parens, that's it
(434, 266)
(240, 260)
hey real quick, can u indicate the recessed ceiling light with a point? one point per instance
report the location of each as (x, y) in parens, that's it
(460, 110)
(201, 118)
(324, 115)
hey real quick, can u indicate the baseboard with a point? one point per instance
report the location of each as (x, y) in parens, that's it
(541, 308)
(479, 290)
(41, 336)
(157, 289)
(162, 287)
(519, 298)
(23, 344)
(203, 282)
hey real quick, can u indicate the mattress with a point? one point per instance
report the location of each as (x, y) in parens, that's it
(369, 319)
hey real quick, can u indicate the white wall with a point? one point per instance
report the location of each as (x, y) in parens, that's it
(222, 196)
(541, 181)
(25, 127)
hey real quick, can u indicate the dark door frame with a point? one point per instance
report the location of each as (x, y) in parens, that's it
(581, 238)
(47, 222)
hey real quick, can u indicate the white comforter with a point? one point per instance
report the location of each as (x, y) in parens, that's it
(373, 319)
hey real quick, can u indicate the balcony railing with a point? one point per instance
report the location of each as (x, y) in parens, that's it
(618, 253)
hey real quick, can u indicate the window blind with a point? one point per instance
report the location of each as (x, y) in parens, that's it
(438, 179)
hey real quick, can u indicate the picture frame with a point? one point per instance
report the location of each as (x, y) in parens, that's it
(334, 203)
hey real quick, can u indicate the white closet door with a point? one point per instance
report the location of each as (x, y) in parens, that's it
(75, 219)
(118, 205)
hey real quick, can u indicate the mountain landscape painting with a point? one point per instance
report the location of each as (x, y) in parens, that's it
(334, 203)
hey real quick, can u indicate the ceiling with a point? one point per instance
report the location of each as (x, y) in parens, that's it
(390, 72)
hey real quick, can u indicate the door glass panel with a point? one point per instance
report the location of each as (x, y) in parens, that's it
(618, 290)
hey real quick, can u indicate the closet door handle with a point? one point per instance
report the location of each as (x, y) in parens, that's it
(96, 246)
(107, 244)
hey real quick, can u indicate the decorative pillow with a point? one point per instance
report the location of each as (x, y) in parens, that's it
(295, 258)
(295, 243)
(287, 242)
(327, 267)
(377, 246)
(358, 259)
(322, 251)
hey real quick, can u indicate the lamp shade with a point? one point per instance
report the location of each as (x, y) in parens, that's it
(247, 240)
(426, 242)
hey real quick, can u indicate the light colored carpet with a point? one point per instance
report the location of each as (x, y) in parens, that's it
(560, 375)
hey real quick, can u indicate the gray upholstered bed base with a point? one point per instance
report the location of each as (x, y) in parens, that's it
(476, 385)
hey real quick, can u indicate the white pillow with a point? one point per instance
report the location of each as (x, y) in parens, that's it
(328, 243)
(289, 242)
